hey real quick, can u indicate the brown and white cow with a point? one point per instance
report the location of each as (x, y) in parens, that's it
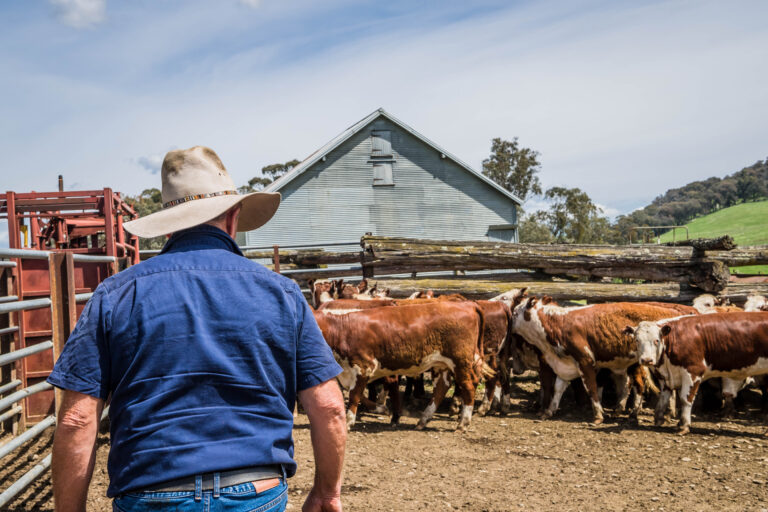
(689, 350)
(756, 303)
(408, 340)
(577, 341)
(708, 303)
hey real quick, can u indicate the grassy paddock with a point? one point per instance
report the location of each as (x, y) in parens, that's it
(747, 223)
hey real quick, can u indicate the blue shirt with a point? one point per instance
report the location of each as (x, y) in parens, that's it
(203, 352)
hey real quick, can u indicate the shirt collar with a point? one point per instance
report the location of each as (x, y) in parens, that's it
(200, 237)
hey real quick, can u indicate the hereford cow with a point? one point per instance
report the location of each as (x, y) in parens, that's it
(408, 340)
(756, 303)
(708, 303)
(689, 350)
(577, 341)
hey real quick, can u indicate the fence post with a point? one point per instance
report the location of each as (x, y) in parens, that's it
(61, 268)
(276, 258)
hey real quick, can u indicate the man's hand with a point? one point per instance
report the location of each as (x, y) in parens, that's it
(324, 405)
(74, 450)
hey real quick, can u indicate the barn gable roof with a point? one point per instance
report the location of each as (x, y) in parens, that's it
(355, 128)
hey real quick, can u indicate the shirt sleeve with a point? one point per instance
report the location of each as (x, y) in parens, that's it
(315, 363)
(84, 364)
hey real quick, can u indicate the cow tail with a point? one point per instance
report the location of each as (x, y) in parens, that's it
(481, 367)
(649, 381)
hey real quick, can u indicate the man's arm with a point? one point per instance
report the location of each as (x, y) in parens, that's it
(74, 450)
(324, 405)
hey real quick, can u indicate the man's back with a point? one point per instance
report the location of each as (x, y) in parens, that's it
(205, 352)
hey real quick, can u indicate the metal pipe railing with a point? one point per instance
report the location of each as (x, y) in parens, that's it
(9, 330)
(8, 298)
(30, 434)
(93, 258)
(24, 352)
(31, 254)
(24, 481)
(11, 385)
(16, 409)
(23, 305)
(7, 264)
(23, 393)
(34, 254)
(83, 297)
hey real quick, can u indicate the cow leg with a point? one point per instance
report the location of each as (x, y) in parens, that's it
(465, 384)
(589, 378)
(662, 405)
(355, 394)
(392, 385)
(560, 387)
(621, 382)
(442, 383)
(687, 396)
(730, 388)
(490, 388)
(418, 387)
(547, 379)
(636, 374)
(506, 402)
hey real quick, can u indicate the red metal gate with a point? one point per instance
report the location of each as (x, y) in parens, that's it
(86, 223)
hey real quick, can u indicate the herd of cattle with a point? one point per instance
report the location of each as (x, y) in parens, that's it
(639, 343)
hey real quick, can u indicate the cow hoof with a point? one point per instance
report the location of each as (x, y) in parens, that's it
(544, 415)
(420, 426)
(597, 421)
(681, 431)
(380, 409)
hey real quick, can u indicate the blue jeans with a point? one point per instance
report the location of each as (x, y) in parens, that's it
(237, 498)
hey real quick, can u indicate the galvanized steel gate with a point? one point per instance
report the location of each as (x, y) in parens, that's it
(71, 242)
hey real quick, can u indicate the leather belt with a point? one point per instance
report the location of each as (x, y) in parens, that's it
(226, 479)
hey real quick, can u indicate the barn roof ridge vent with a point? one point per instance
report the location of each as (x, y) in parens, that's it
(319, 154)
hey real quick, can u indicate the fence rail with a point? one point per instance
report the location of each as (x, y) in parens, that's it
(62, 301)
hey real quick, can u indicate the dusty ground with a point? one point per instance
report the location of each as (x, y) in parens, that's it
(516, 463)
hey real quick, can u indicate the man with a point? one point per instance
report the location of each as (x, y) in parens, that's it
(202, 352)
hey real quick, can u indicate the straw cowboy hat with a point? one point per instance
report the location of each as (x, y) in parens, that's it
(197, 189)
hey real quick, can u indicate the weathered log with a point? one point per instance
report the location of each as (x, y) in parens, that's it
(654, 263)
(724, 243)
(568, 291)
(307, 258)
(741, 257)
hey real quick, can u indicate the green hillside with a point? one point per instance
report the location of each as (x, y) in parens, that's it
(747, 223)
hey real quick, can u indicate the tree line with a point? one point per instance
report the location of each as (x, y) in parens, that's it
(572, 216)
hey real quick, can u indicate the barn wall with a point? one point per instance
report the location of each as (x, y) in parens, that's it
(432, 197)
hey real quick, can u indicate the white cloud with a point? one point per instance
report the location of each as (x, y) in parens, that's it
(80, 13)
(151, 163)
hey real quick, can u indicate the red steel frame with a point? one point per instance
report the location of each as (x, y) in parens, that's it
(81, 222)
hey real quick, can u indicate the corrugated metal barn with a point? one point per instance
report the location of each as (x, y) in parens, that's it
(383, 177)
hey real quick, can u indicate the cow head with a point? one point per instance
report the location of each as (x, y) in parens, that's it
(756, 303)
(650, 341)
(362, 286)
(513, 297)
(705, 303)
(320, 291)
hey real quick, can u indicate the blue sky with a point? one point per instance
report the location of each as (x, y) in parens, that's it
(622, 99)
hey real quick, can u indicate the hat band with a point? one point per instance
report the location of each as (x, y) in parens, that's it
(199, 196)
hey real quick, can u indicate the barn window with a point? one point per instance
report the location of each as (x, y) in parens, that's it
(381, 143)
(382, 173)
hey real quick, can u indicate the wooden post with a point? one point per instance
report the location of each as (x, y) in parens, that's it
(63, 306)
(276, 258)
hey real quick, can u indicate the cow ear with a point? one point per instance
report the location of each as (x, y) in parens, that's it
(531, 303)
(523, 291)
(362, 286)
(665, 329)
(629, 330)
(311, 284)
(546, 300)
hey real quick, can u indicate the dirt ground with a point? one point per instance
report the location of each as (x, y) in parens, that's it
(514, 462)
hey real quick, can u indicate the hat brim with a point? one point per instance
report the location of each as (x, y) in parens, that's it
(257, 209)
